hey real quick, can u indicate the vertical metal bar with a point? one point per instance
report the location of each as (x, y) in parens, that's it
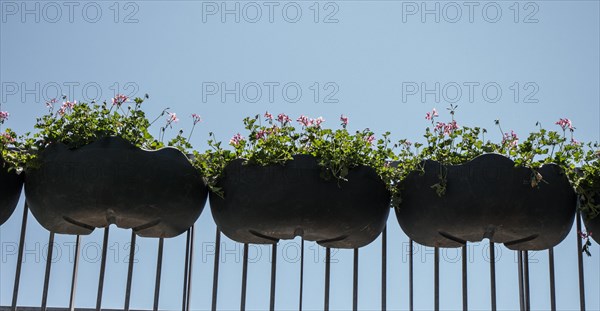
(102, 269)
(552, 280)
(186, 267)
(48, 267)
(159, 260)
(244, 278)
(301, 273)
(273, 275)
(410, 276)
(520, 271)
(216, 270)
(189, 286)
(526, 279)
(437, 279)
(384, 269)
(493, 275)
(580, 264)
(465, 300)
(327, 277)
(20, 258)
(355, 282)
(130, 270)
(75, 271)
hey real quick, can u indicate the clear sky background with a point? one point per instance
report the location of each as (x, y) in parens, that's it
(381, 63)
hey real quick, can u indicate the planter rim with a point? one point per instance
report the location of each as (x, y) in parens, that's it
(295, 157)
(496, 155)
(120, 141)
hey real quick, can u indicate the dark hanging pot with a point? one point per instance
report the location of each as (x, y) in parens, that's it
(593, 226)
(263, 204)
(11, 184)
(487, 197)
(110, 181)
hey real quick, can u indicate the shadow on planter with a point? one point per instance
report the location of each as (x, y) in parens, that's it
(155, 193)
(263, 204)
(10, 192)
(487, 197)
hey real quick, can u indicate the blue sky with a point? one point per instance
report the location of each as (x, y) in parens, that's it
(381, 63)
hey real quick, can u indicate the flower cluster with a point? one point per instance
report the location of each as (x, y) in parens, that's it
(197, 119)
(565, 124)
(511, 140)
(344, 120)
(66, 107)
(3, 116)
(7, 138)
(237, 139)
(119, 99)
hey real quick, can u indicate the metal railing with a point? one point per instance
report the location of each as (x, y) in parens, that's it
(190, 260)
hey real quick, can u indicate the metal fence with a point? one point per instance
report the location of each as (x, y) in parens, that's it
(191, 262)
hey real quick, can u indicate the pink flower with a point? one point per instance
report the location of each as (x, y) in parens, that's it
(450, 127)
(172, 117)
(119, 99)
(565, 123)
(317, 122)
(584, 235)
(197, 119)
(7, 138)
(70, 105)
(268, 116)
(236, 139)
(262, 134)
(304, 121)
(344, 120)
(510, 139)
(4, 116)
(370, 139)
(66, 106)
(440, 126)
(283, 119)
(575, 142)
(431, 115)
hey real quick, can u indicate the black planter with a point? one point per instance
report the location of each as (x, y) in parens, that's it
(263, 204)
(593, 226)
(10, 191)
(487, 197)
(110, 181)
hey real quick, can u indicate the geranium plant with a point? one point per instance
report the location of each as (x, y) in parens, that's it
(451, 144)
(7, 139)
(588, 188)
(275, 140)
(77, 124)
